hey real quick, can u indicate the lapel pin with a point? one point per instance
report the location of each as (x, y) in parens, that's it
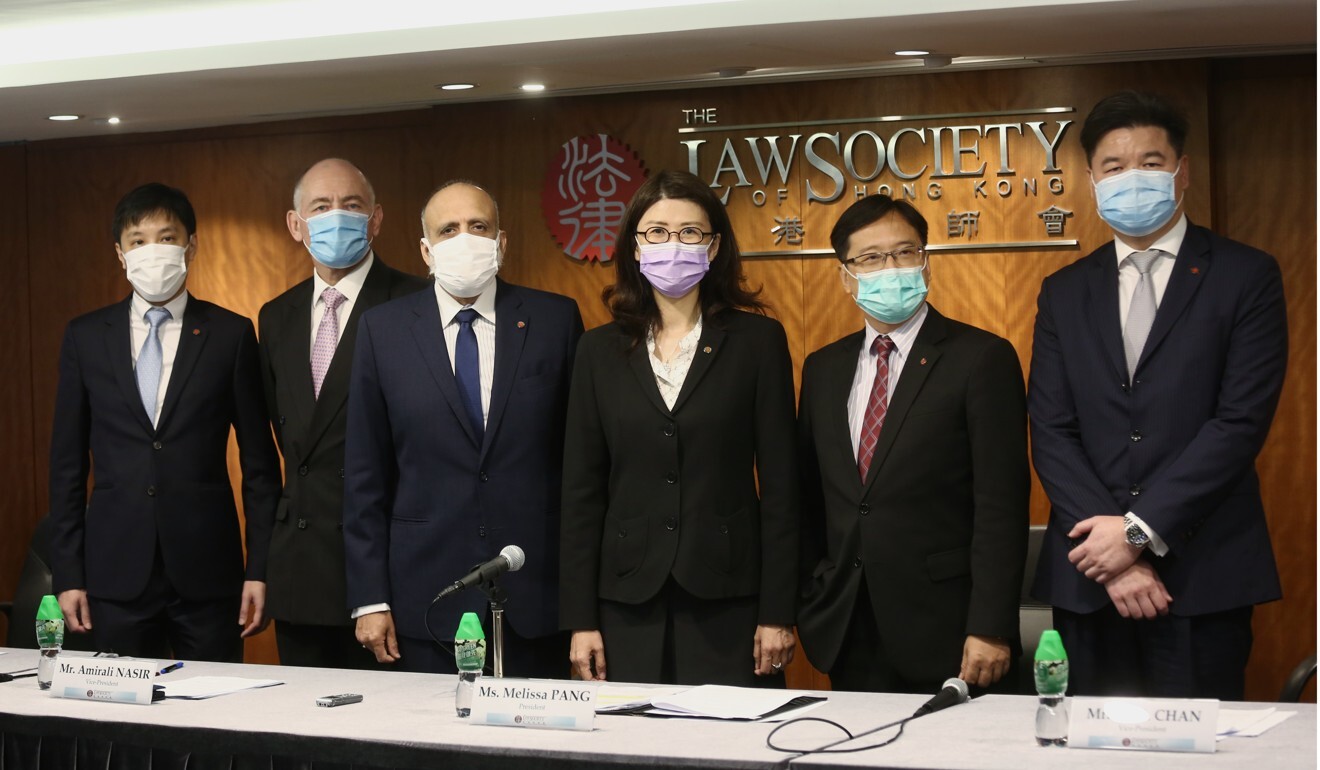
(1196, 271)
(196, 332)
(706, 349)
(521, 324)
(923, 362)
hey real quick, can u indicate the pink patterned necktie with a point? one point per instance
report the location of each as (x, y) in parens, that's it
(876, 406)
(327, 338)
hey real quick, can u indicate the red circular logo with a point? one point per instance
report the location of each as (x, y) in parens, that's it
(587, 189)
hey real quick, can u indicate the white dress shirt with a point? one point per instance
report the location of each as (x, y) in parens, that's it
(350, 286)
(169, 333)
(670, 375)
(864, 375)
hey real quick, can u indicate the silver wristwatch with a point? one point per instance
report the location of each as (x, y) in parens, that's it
(1136, 536)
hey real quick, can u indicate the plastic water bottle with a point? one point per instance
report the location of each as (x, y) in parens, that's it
(50, 638)
(1051, 670)
(470, 656)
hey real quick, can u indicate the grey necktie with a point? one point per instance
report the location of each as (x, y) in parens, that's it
(1141, 313)
(150, 360)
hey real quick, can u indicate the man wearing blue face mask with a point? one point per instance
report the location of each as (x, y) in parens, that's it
(307, 336)
(915, 481)
(1157, 365)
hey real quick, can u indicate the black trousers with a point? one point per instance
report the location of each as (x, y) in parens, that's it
(1203, 656)
(318, 646)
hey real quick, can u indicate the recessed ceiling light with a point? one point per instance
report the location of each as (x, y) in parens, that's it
(112, 120)
(532, 87)
(456, 86)
(913, 52)
(64, 117)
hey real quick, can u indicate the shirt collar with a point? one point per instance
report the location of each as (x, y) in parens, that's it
(349, 286)
(1169, 243)
(175, 306)
(903, 337)
(449, 307)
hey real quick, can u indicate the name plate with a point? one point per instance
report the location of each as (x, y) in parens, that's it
(1143, 724)
(104, 679)
(550, 704)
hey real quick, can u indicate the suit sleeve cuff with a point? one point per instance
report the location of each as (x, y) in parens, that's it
(1157, 545)
(370, 609)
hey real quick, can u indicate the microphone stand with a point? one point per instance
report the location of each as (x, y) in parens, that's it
(497, 597)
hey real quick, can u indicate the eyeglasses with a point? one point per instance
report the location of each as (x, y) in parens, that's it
(687, 235)
(869, 263)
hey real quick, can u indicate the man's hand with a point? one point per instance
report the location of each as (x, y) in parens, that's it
(375, 631)
(772, 649)
(586, 652)
(1138, 593)
(985, 660)
(1106, 551)
(252, 608)
(77, 613)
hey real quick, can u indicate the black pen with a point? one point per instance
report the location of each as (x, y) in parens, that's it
(169, 668)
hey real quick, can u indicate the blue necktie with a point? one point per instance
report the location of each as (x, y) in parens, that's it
(149, 362)
(467, 370)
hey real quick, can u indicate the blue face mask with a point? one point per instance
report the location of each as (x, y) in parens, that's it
(338, 239)
(1137, 202)
(891, 296)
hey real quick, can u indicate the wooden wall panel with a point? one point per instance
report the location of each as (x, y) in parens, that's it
(18, 479)
(240, 179)
(1264, 172)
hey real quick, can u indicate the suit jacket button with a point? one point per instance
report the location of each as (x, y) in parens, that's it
(1134, 490)
(483, 476)
(623, 532)
(302, 470)
(864, 508)
(857, 562)
(1125, 387)
(1135, 436)
(281, 419)
(156, 445)
(671, 524)
(302, 523)
(724, 529)
(481, 531)
(151, 491)
(669, 429)
(671, 477)
(341, 473)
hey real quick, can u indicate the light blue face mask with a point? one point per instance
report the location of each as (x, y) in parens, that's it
(1137, 202)
(338, 239)
(891, 296)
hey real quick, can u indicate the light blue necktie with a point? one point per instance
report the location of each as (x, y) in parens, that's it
(149, 361)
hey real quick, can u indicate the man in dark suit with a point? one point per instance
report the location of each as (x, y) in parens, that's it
(149, 387)
(1156, 368)
(915, 482)
(307, 337)
(455, 441)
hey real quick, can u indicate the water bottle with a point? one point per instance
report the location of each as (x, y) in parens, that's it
(50, 637)
(1051, 670)
(470, 655)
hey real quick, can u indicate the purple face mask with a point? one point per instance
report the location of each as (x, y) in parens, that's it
(674, 269)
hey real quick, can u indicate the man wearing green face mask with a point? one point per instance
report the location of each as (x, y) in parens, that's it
(915, 480)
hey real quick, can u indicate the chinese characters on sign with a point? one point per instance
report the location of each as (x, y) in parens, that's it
(1054, 218)
(587, 188)
(788, 229)
(963, 224)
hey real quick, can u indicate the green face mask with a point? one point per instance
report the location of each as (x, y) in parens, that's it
(891, 296)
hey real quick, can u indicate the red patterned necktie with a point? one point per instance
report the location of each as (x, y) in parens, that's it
(876, 406)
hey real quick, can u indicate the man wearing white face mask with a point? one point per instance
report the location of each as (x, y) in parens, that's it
(307, 338)
(1157, 365)
(152, 564)
(915, 480)
(454, 449)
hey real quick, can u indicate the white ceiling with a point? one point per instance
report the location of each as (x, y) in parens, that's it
(167, 64)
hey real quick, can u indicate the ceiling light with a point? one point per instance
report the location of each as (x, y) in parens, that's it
(532, 87)
(112, 120)
(456, 86)
(64, 117)
(913, 52)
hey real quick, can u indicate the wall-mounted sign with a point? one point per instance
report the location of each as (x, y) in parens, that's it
(587, 188)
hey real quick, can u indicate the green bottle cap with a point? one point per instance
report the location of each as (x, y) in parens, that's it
(1051, 646)
(469, 628)
(49, 609)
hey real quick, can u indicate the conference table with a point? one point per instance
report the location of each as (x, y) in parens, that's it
(407, 721)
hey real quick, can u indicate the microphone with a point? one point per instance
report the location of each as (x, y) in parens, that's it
(953, 693)
(510, 559)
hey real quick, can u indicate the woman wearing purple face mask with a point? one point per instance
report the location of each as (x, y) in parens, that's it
(676, 565)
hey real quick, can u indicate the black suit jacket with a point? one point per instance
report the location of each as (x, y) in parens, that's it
(651, 492)
(939, 528)
(1177, 445)
(166, 486)
(305, 579)
(424, 501)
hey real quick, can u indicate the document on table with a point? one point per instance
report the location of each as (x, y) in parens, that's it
(720, 702)
(200, 687)
(621, 697)
(1248, 723)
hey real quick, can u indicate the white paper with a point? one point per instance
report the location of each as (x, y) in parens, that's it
(199, 687)
(616, 697)
(722, 702)
(1248, 723)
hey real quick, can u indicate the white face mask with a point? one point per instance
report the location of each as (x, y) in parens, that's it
(156, 270)
(465, 265)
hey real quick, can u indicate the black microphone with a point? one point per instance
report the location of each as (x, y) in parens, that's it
(953, 693)
(510, 559)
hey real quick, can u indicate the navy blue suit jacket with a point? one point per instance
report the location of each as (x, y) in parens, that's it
(1177, 444)
(423, 500)
(165, 486)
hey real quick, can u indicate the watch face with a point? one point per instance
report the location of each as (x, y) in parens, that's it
(1136, 535)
